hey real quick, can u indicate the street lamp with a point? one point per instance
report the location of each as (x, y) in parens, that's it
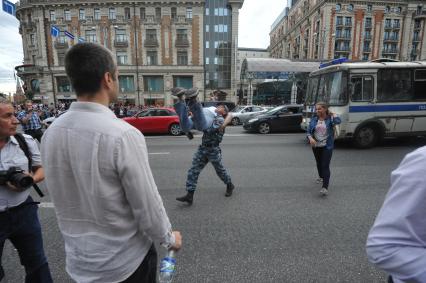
(250, 78)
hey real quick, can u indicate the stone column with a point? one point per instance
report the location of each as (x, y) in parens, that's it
(234, 46)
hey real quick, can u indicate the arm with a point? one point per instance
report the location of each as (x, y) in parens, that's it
(37, 170)
(309, 132)
(396, 242)
(226, 122)
(133, 168)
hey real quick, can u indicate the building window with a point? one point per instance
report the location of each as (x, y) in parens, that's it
(398, 10)
(67, 15)
(61, 59)
(32, 39)
(35, 86)
(151, 58)
(338, 7)
(142, 11)
(182, 58)
(216, 60)
(368, 22)
(174, 13)
(153, 83)
(111, 14)
(394, 85)
(126, 83)
(120, 35)
(387, 9)
(183, 81)
(207, 44)
(396, 23)
(122, 58)
(348, 21)
(369, 8)
(365, 57)
(151, 35)
(339, 21)
(81, 14)
(350, 7)
(90, 35)
(207, 28)
(216, 44)
(221, 12)
(127, 13)
(63, 84)
(207, 11)
(97, 14)
(52, 16)
(158, 13)
(221, 28)
(181, 35)
(189, 12)
(207, 60)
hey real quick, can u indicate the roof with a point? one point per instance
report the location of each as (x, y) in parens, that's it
(278, 65)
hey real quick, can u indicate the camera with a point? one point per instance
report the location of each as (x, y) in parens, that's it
(16, 177)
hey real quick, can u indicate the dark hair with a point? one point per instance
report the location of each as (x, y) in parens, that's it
(86, 65)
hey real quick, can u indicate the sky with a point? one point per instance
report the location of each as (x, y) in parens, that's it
(256, 18)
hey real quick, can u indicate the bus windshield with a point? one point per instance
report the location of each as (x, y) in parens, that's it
(330, 88)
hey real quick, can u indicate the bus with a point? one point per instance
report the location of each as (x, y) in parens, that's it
(374, 99)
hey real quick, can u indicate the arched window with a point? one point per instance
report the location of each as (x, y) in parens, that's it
(350, 7)
(338, 7)
(35, 86)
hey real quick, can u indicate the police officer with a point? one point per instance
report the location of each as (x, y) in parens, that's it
(212, 123)
(18, 212)
(30, 121)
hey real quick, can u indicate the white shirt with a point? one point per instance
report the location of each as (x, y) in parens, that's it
(107, 203)
(11, 155)
(209, 114)
(397, 241)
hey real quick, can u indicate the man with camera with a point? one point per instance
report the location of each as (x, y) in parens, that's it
(30, 121)
(18, 212)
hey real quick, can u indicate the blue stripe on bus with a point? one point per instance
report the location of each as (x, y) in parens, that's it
(387, 108)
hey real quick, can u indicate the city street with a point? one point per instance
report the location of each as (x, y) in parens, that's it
(276, 227)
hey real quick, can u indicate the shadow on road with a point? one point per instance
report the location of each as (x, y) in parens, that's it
(387, 142)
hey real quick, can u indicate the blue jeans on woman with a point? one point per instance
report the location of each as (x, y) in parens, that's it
(323, 159)
(22, 227)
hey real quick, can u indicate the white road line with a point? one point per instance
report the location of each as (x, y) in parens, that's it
(159, 153)
(46, 205)
(229, 135)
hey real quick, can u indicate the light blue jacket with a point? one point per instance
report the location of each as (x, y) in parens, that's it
(329, 122)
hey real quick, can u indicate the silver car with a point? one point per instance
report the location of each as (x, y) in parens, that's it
(242, 114)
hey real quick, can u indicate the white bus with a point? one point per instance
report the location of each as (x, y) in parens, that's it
(373, 99)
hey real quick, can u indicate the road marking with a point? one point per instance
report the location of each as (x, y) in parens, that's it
(229, 135)
(159, 153)
(46, 205)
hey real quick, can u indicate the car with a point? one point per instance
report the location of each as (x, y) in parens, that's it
(279, 119)
(229, 104)
(242, 114)
(156, 120)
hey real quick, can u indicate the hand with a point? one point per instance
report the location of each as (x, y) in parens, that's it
(222, 128)
(312, 142)
(14, 188)
(178, 241)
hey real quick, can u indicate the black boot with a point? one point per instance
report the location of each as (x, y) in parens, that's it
(187, 198)
(229, 188)
(190, 135)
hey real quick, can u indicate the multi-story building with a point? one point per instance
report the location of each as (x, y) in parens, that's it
(355, 29)
(157, 44)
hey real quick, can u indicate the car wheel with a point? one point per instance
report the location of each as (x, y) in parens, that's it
(366, 137)
(235, 121)
(175, 130)
(264, 128)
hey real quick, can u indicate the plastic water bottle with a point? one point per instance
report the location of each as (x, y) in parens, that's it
(168, 267)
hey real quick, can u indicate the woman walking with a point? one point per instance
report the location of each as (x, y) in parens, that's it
(321, 137)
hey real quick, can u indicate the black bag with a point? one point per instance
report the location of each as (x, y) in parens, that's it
(24, 146)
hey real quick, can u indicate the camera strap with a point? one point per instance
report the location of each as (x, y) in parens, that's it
(24, 146)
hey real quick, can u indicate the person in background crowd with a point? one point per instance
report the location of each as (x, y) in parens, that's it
(30, 121)
(109, 210)
(321, 137)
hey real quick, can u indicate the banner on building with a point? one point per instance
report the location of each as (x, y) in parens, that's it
(81, 40)
(9, 7)
(54, 31)
(68, 34)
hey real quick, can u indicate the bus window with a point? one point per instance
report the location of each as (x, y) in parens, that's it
(420, 85)
(332, 88)
(362, 88)
(394, 85)
(312, 90)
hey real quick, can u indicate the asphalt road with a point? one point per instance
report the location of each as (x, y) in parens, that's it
(275, 228)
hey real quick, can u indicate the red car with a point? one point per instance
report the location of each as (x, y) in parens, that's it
(156, 120)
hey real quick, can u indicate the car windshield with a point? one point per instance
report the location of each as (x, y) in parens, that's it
(237, 109)
(274, 110)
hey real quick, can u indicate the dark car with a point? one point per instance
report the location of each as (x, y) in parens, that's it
(279, 119)
(230, 104)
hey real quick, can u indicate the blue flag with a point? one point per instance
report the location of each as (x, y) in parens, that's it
(9, 7)
(54, 31)
(81, 40)
(70, 35)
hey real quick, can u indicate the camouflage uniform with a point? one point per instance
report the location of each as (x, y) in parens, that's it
(209, 150)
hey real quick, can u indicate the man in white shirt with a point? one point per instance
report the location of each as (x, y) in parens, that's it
(97, 172)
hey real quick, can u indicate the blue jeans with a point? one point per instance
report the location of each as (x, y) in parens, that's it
(323, 159)
(198, 120)
(22, 227)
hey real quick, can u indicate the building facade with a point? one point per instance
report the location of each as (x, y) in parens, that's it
(158, 45)
(359, 30)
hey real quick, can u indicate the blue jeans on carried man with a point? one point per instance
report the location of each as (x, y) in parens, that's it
(197, 121)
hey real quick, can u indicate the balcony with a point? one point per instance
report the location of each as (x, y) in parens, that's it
(151, 42)
(339, 23)
(416, 39)
(121, 43)
(348, 24)
(61, 45)
(396, 26)
(343, 37)
(181, 20)
(151, 19)
(388, 26)
(182, 42)
(391, 39)
(366, 49)
(390, 51)
(345, 49)
(368, 26)
(367, 37)
(420, 15)
(29, 69)
(417, 26)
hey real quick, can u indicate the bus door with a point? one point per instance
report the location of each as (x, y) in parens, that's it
(361, 93)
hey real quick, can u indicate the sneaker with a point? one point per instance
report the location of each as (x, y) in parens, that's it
(324, 192)
(229, 188)
(318, 181)
(178, 91)
(186, 198)
(191, 93)
(190, 135)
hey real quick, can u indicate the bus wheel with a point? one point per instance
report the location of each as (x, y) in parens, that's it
(366, 137)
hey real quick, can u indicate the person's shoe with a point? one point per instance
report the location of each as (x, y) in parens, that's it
(229, 188)
(178, 92)
(190, 135)
(191, 93)
(324, 192)
(187, 198)
(318, 181)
